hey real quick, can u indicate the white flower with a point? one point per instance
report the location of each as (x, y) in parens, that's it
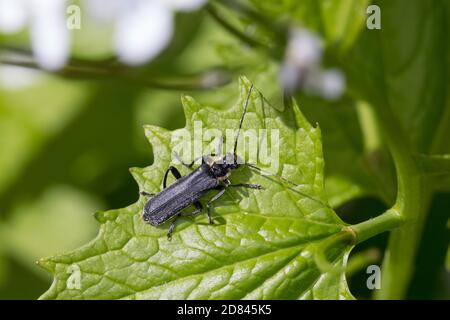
(332, 84)
(327, 83)
(143, 28)
(143, 31)
(304, 49)
(46, 18)
(302, 67)
(49, 34)
(12, 16)
(185, 5)
(17, 78)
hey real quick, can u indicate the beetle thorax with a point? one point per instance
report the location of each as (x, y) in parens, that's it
(221, 166)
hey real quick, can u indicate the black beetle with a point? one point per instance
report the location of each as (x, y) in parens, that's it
(212, 174)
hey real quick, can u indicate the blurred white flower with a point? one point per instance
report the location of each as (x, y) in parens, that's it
(329, 84)
(185, 5)
(17, 78)
(333, 84)
(143, 31)
(304, 49)
(302, 67)
(46, 18)
(12, 16)
(50, 38)
(143, 28)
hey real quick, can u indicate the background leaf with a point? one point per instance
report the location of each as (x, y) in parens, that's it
(401, 65)
(338, 21)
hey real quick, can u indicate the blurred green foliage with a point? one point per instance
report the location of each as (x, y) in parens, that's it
(66, 144)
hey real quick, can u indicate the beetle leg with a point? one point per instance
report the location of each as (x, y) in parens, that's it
(208, 205)
(187, 165)
(172, 226)
(247, 185)
(175, 173)
(198, 209)
(146, 194)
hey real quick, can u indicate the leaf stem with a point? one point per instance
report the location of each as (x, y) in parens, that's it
(389, 220)
(355, 234)
(345, 236)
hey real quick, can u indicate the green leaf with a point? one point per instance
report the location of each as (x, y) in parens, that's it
(401, 70)
(407, 64)
(265, 244)
(354, 143)
(339, 21)
(343, 20)
(370, 173)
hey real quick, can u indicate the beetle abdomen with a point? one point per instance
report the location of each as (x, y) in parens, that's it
(179, 195)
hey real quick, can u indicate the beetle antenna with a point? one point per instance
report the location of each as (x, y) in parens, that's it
(268, 173)
(242, 119)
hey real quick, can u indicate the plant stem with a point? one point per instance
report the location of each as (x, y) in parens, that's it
(412, 200)
(110, 69)
(355, 234)
(387, 221)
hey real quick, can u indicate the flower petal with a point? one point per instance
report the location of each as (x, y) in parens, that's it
(104, 10)
(143, 30)
(330, 84)
(304, 49)
(333, 84)
(49, 34)
(13, 15)
(17, 78)
(185, 5)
